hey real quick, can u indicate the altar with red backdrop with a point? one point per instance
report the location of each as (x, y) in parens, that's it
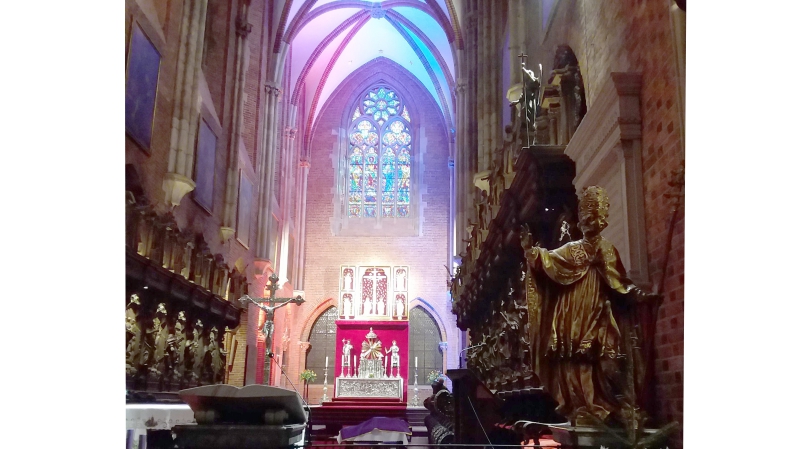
(385, 332)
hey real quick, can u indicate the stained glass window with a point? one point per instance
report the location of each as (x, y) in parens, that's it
(424, 339)
(323, 343)
(379, 169)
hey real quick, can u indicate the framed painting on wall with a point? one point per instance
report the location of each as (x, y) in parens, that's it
(141, 83)
(204, 166)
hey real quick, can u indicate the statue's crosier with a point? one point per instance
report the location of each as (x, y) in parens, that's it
(587, 323)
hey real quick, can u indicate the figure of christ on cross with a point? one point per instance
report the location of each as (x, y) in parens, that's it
(273, 303)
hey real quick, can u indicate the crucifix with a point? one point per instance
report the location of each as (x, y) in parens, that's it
(272, 304)
(531, 87)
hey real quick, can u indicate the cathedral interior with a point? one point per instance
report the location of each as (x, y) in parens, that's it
(484, 197)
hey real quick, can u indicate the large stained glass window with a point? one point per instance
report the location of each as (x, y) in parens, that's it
(379, 156)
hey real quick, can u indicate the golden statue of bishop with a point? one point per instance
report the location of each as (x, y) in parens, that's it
(586, 328)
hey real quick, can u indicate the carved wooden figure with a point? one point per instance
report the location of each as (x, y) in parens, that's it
(583, 312)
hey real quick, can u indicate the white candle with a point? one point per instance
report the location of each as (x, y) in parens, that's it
(415, 362)
(326, 361)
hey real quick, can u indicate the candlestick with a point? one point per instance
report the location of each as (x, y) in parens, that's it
(416, 401)
(325, 382)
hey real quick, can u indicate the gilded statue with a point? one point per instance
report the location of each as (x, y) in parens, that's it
(583, 313)
(133, 336)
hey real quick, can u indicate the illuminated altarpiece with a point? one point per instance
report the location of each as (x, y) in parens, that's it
(374, 313)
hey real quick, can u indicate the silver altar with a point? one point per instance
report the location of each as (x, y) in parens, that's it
(356, 387)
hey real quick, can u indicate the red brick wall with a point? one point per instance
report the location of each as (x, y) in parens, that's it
(237, 372)
(152, 166)
(425, 255)
(636, 36)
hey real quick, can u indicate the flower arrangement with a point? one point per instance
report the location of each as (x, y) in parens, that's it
(308, 376)
(433, 376)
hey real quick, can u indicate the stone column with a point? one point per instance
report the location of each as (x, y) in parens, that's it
(481, 84)
(304, 349)
(515, 19)
(443, 347)
(267, 173)
(178, 179)
(235, 133)
(301, 214)
(460, 164)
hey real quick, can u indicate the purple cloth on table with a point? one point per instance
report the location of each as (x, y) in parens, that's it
(379, 422)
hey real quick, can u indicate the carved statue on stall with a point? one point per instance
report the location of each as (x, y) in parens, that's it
(216, 358)
(166, 351)
(190, 349)
(583, 318)
(180, 345)
(200, 352)
(133, 335)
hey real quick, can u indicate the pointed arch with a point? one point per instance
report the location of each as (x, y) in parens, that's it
(420, 302)
(322, 341)
(425, 336)
(305, 331)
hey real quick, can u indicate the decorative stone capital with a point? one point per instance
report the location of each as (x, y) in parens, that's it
(226, 233)
(273, 89)
(175, 187)
(304, 163)
(243, 28)
(304, 346)
(264, 267)
(443, 345)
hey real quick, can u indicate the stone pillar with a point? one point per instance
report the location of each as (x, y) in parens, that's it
(443, 347)
(301, 214)
(304, 347)
(481, 84)
(235, 132)
(516, 28)
(178, 179)
(460, 164)
(267, 173)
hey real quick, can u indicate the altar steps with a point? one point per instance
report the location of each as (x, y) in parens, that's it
(328, 419)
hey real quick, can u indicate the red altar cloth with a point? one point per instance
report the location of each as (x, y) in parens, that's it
(386, 331)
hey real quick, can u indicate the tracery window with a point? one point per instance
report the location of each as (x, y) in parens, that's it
(379, 156)
(323, 342)
(424, 339)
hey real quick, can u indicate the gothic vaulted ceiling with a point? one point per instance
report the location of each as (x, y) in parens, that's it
(330, 39)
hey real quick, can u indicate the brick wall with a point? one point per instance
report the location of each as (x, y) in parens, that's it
(152, 166)
(237, 372)
(425, 255)
(636, 36)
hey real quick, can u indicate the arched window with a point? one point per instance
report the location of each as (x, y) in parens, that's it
(424, 339)
(379, 156)
(323, 343)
